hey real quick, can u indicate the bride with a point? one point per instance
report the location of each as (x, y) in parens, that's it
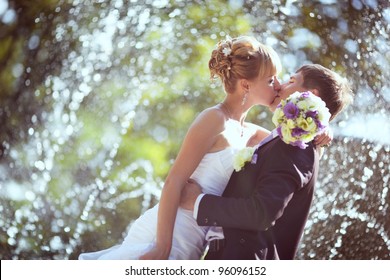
(166, 231)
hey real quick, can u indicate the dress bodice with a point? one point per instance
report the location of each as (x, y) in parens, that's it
(214, 170)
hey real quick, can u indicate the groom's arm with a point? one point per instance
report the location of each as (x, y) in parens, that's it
(190, 196)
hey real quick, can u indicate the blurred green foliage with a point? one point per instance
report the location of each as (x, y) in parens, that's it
(96, 97)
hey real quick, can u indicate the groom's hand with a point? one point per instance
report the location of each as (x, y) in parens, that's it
(189, 194)
(155, 254)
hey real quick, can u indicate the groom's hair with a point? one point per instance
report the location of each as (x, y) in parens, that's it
(333, 89)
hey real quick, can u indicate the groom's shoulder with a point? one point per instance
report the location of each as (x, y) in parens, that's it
(285, 151)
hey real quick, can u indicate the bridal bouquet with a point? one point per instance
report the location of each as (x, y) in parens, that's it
(300, 118)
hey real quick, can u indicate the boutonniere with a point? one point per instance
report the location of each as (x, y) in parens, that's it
(243, 156)
(300, 118)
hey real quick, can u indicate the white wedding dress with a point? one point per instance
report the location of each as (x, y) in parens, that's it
(188, 242)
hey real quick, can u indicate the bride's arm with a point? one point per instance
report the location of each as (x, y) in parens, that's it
(200, 138)
(259, 134)
(325, 138)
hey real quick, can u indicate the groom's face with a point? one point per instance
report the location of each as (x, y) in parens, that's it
(284, 90)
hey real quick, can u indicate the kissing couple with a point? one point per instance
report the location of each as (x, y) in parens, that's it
(256, 209)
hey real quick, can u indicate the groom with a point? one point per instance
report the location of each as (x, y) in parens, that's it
(265, 206)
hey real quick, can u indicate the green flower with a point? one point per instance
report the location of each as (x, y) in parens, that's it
(242, 156)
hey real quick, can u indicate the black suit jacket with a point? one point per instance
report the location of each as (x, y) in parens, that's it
(265, 206)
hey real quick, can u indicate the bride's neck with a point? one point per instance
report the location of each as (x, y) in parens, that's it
(234, 110)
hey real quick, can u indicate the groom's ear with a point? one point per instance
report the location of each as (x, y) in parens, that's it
(315, 92)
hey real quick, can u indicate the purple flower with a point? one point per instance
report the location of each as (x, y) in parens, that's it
(290, 110)
(305, 94)
(297, 132)
(279, 131)
(312, 114)
(320, 126)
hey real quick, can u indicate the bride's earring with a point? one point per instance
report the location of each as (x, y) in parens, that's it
(244, 99)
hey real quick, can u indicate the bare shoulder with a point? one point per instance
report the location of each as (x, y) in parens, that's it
(213, 113)
(211, 117)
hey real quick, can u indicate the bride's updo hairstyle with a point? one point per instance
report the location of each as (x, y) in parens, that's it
(242, 58)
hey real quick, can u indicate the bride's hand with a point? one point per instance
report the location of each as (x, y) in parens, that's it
(155, 254)
(324, 139)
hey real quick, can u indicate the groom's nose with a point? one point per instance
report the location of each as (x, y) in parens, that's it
(276, 84)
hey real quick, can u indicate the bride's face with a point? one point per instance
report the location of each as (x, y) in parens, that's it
(262, 91)
(284, 90)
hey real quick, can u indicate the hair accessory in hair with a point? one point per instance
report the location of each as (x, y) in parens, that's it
(226, 51)
(227, 42)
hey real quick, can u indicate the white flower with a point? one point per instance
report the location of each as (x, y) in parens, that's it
(242, 156)
(227, 51)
